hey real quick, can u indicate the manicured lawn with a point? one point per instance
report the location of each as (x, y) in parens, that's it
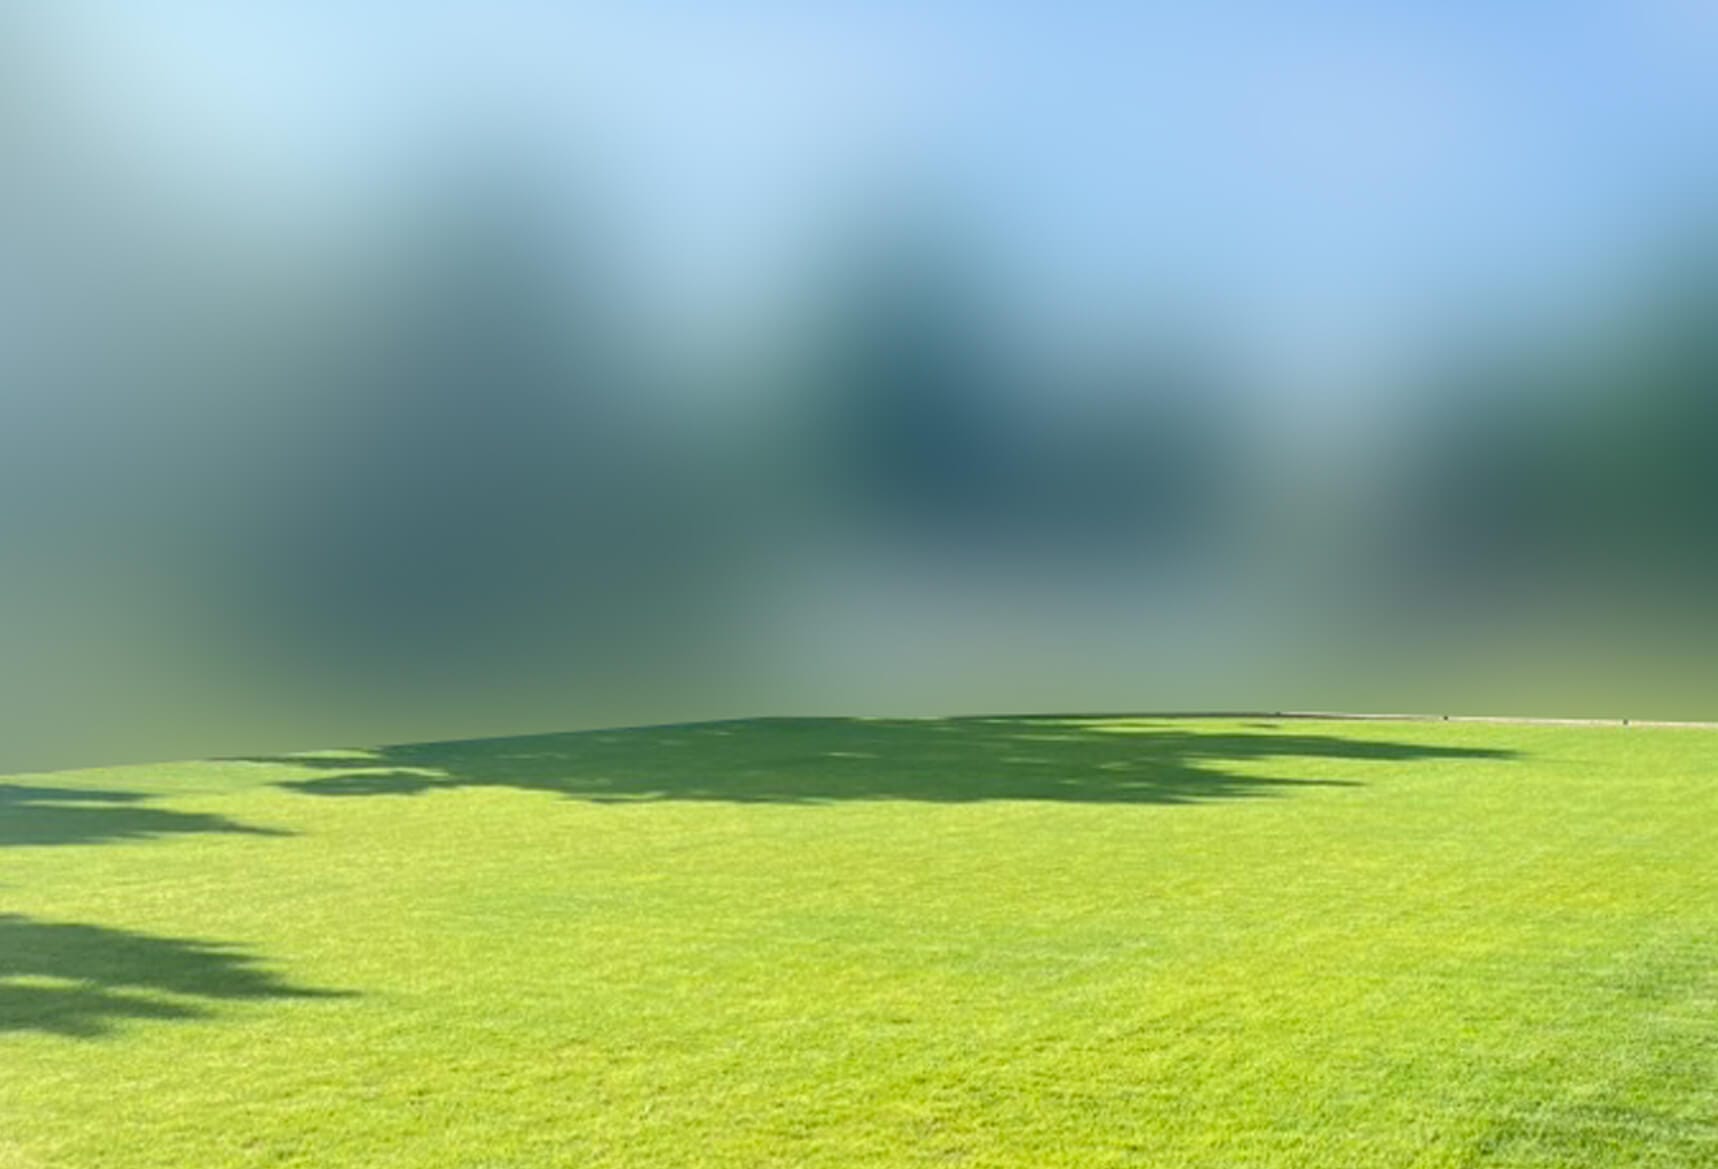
(1003, 942)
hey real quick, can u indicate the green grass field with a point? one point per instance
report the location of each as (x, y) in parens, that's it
(980, 942)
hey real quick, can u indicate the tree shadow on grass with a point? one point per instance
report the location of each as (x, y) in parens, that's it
(796, 761)
(81, 980)
(65, 815)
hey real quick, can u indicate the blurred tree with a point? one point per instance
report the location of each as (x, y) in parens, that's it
(1652, 442)
(1153, 465)
(1486, 508)
(493, 491)
(913, 422)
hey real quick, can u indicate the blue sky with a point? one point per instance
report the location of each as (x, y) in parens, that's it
(1329, 173)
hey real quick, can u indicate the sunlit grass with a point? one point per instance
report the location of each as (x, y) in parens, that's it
(1010, 942)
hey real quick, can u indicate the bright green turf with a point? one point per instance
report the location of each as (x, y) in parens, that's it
(850, 943)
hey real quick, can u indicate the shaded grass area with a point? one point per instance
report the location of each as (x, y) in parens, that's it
(823, 760)
(79, 980)
(33, 814)
(1000, 942)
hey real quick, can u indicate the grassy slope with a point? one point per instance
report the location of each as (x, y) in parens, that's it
(842, 943)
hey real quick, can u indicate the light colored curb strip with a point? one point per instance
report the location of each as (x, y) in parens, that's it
(1490, 718)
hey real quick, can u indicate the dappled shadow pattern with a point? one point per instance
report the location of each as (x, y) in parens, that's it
(824, 760)
(81, 980)
(65, 815)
